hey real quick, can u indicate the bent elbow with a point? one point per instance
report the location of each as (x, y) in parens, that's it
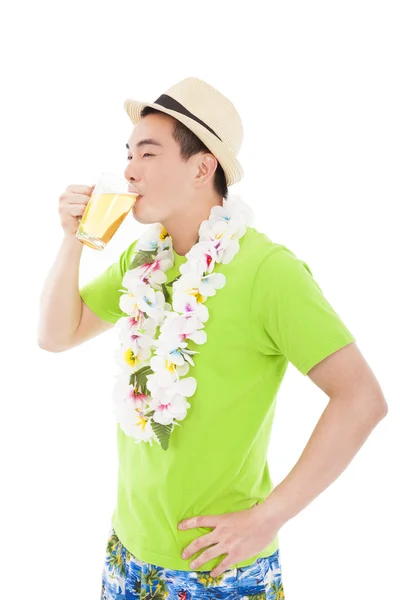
(49, 346)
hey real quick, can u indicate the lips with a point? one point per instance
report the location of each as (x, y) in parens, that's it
(132, 190)
(135, 192)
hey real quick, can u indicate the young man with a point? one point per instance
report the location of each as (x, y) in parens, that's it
(211, 310)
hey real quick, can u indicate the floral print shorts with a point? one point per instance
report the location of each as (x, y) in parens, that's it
(127, 578)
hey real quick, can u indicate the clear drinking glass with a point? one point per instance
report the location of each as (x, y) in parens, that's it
(108, 206)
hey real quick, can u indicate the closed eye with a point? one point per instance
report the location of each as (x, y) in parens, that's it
(144, 155)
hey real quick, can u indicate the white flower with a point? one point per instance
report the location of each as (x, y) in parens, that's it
(210, 283)
(165, 370)
(137, 331)
(136, 340)
(134, 285)
(199, 337)
(128, 304)
(236, 204)
(129, 405)
(151, 239)
(188, 305)
(201, 259)
(126, 395)
(152, 304)
(134, 425)
(224, 228)
(229, 251)
(168, 409)
(172, 403)
(154, 273)
(182, 327)
(175, 353)
(131, 323)
(234, 210)
(132, 359)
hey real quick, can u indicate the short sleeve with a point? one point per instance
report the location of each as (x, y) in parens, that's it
(102, 294)
(290, 314)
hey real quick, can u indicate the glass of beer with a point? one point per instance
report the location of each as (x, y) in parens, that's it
(108, 206)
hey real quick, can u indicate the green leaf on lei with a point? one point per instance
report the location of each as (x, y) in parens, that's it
(163, 433)
(167, 294)
(142, 257)
(139, 380)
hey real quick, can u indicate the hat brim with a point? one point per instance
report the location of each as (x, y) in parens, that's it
(231, 166)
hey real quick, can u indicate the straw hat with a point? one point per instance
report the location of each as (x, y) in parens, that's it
(206, 112)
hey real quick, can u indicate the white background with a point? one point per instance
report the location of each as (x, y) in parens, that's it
(317, 86)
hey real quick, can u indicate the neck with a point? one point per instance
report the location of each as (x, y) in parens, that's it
(184, 227)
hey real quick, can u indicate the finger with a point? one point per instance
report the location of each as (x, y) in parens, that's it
(70, 198)
(78, 199)
(80, 189)
(209, 554)
(223, 566)
(198, 544)
(77, 210)
(203, 521)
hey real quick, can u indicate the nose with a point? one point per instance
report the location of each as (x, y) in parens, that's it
(131, 172)
(129, 178)
(128, 175)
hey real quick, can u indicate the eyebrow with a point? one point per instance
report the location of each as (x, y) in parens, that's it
(148, 142)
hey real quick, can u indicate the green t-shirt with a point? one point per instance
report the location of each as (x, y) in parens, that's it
(270, 311)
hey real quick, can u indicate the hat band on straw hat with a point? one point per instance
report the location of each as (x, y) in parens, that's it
(172, 104)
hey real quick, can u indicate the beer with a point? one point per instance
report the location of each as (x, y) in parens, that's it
(103, 215)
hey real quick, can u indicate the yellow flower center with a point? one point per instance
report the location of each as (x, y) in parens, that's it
(141, 422)
(163, 233)
(130, 358)
(169, 366)
(195, 292)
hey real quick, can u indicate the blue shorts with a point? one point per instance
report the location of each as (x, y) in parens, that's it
(127, 578)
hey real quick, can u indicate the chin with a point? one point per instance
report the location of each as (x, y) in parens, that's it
(141, 215)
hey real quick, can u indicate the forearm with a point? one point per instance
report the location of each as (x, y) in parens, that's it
(340, 432)
(60, 303)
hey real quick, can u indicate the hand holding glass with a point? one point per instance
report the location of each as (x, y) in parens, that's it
(108, 206)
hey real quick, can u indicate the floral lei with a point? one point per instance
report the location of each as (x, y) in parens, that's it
(151, 390)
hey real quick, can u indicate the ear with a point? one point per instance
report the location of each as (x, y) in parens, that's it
(207, 165)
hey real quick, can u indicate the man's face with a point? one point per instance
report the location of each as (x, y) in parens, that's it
(157, 171)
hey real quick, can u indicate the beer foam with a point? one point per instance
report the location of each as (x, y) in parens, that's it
(106, 188)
